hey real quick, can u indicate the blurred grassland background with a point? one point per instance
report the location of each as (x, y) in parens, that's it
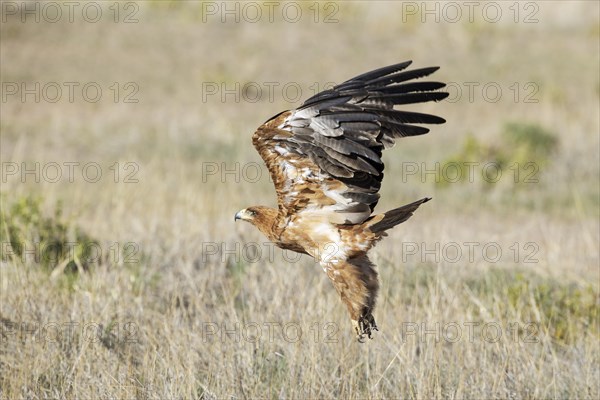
(161, 281)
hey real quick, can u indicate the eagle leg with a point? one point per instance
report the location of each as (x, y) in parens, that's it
(365, 326)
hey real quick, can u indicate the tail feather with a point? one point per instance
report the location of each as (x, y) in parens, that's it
(396, 216)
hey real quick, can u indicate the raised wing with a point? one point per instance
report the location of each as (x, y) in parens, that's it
(326, 154)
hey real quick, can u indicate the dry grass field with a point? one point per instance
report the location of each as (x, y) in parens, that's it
(125, 152)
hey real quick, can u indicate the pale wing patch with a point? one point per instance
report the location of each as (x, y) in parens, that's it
(281, 150)
(337, 196)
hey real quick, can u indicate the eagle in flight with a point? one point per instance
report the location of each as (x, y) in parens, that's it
(324, 159)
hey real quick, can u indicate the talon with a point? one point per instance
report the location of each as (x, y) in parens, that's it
(359, 331)
(365, 326)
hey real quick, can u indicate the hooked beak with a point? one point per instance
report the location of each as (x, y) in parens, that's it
(238, 215)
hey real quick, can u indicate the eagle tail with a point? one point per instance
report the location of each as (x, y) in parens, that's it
(395, 216)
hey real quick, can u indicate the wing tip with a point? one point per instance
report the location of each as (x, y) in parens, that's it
(442, 96)
(381, 72)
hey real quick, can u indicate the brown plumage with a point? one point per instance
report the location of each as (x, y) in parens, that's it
(325, 162)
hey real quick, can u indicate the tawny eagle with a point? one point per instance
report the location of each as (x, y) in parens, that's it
(325, 161)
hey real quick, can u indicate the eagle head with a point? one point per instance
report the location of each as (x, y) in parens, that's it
(247, 214)
(257, 215)
(263, 218)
